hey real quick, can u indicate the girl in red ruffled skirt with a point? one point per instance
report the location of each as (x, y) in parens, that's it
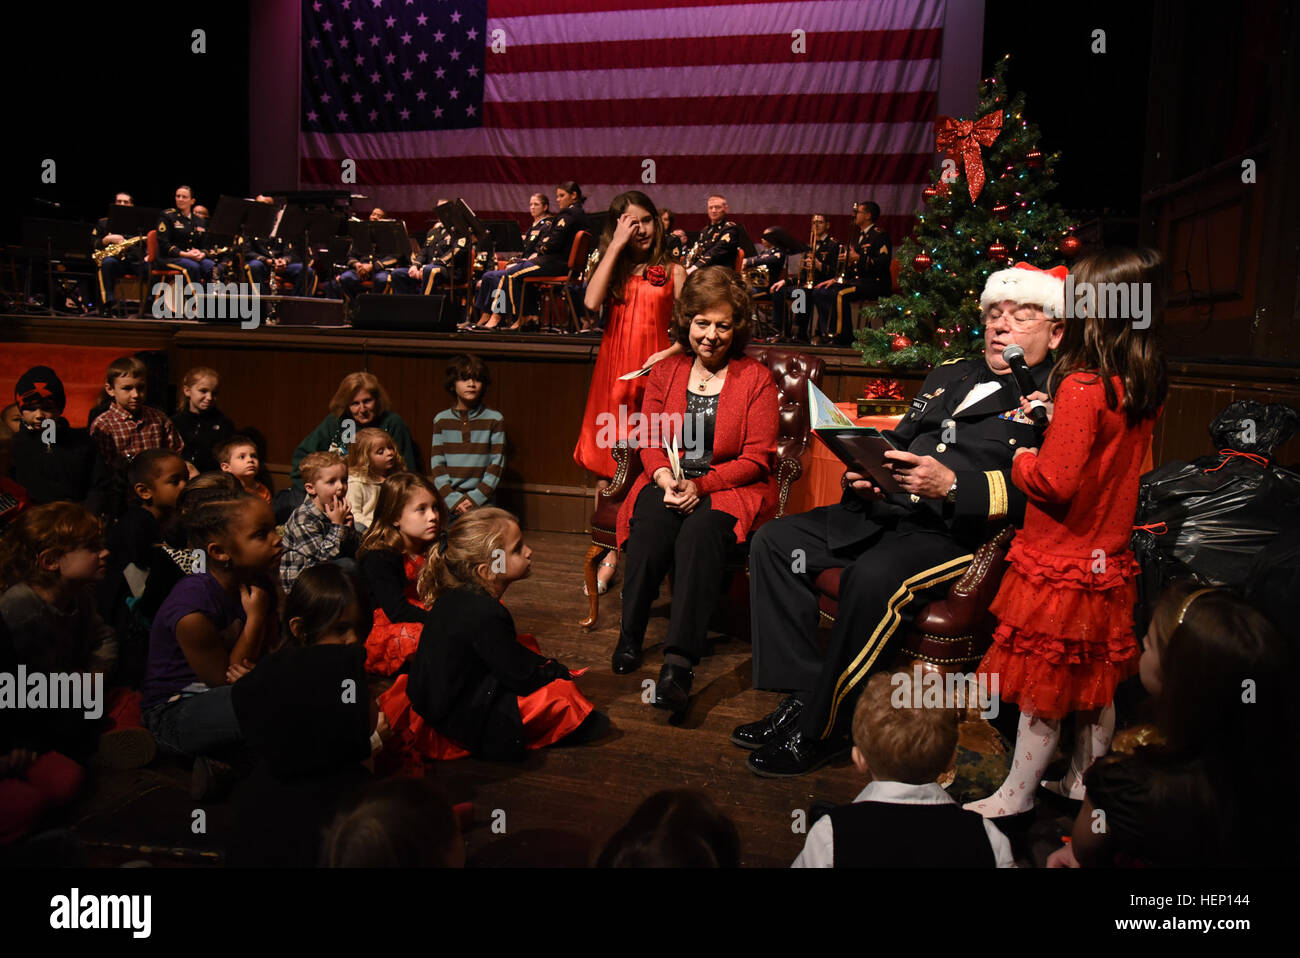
(1065, 609)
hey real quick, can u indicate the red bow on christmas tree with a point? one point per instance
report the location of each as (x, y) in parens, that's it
(962, 140)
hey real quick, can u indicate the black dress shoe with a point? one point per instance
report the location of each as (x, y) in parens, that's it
(795, 755)
(627, 656)
(673, 690)
(770, 727)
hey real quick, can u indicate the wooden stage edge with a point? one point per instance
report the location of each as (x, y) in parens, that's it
(277, 381)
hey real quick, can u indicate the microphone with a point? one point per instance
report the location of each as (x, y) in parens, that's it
(1015, 358)
(45, 202)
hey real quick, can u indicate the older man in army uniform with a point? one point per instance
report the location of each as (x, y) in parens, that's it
(719, 241)
(953, 457)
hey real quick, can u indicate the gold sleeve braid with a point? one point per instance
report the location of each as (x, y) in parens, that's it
(997, 494)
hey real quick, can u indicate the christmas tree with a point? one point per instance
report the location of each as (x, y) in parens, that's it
(960, 238)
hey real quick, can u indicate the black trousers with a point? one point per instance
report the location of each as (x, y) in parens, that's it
(696, 545)
(886, 578)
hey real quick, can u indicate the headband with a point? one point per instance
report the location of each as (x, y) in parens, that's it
(1182, 609)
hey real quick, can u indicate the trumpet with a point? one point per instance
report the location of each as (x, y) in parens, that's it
(694, 252)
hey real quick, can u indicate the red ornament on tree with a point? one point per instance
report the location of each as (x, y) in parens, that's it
(929, 193)
(921, 262)
(1001, 211)
(997, 251)
(1070, 246)
(1034, 159)
(899, 343)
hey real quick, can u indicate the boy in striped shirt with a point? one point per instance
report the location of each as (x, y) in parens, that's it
(469, 440)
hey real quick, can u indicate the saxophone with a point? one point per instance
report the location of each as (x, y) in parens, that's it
(115, 249)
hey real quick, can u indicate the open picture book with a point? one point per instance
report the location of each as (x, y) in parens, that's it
(861, 448)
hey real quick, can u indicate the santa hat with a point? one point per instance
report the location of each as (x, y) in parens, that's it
(40, 388)
(1028, 286)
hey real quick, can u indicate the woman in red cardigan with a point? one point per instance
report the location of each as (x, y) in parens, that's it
(721, 407)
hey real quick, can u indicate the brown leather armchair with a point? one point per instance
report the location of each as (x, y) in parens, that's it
(791, 371)
(949, 634)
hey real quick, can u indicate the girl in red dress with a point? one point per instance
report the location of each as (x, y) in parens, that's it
(1065, 609)
(637, 282)
(408, 518)
(476, 687)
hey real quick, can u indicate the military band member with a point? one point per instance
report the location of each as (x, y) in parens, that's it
(866, 262)
(549, 258)
(181, 244)
(362, 267)
(770, 258)
(539, 208)
(675, 240)
(825, 258)
(718, 241)
(264, 255)
(128, 262)
(431, 264)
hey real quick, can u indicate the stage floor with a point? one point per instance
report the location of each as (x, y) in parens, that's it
(562, 804)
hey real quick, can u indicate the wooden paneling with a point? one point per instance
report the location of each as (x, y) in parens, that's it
(279, 382)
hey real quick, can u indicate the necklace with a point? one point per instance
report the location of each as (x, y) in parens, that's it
(704, 380)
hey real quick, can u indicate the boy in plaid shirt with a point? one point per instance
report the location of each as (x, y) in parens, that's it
(129, 427)
(320, 530)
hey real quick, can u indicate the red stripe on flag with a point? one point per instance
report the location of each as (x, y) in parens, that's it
(875, 45)
(704, 168)
(707, 111)
(500, 9)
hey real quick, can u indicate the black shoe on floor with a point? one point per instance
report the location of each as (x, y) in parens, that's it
(673, 690)
(627, 656)
(770, 727)
(795, 755)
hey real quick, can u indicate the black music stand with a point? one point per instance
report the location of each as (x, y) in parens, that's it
(461, 222)
(132, 221)
(229, 218)
(506, 235)
(56, 238)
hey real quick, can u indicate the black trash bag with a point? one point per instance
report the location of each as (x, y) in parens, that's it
(1209, 519)
(1254, 427)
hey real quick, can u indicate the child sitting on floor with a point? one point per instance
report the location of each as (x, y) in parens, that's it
(212, 628)
(128, 427)
(903, 818)
(408, 518)
(1213, 786)
(202, 426)
(371, 460)
(675, 828)
(469, 440)
(49, 560)
(238, 456)
(52, 461)
(397, 823)
(320, 530)
(156, 479)
(306, 713)
(476, 686)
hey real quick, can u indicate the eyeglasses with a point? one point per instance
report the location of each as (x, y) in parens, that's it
(1019, 324)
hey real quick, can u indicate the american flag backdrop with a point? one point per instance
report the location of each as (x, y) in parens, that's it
(492, 100)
